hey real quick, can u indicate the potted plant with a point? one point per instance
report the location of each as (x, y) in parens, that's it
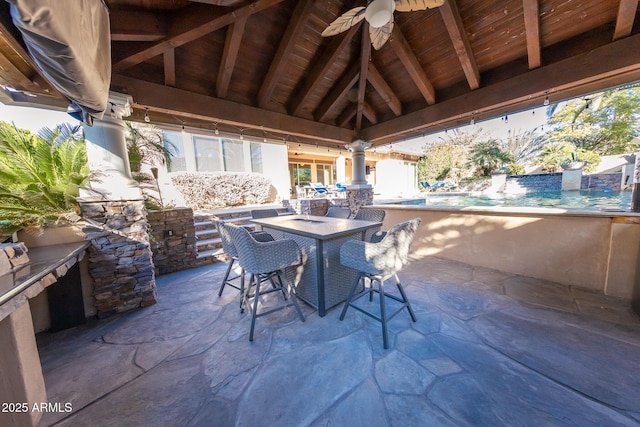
(574, 163)
(40, 176)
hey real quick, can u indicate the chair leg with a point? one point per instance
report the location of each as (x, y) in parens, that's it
(244, 300)
(226, 277)
(404, 297)
(383, 314)
(350, 296)
(288, 290)
(257, 279)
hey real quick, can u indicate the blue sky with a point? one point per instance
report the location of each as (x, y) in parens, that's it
(34, 119)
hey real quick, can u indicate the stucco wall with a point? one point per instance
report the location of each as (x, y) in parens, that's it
(593, 251)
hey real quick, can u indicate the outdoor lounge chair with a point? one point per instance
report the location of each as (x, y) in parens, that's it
(425, 185)
(266, 261)
(378, 262)
(319, 189)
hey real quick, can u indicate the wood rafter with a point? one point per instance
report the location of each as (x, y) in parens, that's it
(229, 56)
(365, 55)
(137, 26)
(383, 89)
(598, 69)
(169, 58)
(181, 103)
(191, 33)
(294, 30)
(339, 91)
(324, 64)
(369, 113)
(532, 28)
(458, 35)
(414, 69)
(626, 15)
(345, 117)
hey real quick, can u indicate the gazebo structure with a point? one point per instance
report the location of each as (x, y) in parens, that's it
(263, 69)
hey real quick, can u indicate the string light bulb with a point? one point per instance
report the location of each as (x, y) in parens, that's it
(473, 119)
(546, 99)
(146, 115)
(216, 131)
(241, 136)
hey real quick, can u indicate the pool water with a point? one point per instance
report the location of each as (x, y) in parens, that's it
(600, 200)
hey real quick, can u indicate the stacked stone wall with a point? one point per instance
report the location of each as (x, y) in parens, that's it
(601, 182)
(533, 183)
(173, 240)
(120, 257)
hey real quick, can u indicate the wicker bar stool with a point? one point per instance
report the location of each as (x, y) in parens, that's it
(374, 215)
(379, 261)
(230, 250)
(338, 212)
(266, 261)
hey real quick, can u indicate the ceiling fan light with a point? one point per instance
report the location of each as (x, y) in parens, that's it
(379, 12)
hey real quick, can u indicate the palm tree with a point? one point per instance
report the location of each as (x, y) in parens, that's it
(487, 156)
(40, 176)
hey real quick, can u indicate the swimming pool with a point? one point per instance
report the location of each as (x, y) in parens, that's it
(600, 200)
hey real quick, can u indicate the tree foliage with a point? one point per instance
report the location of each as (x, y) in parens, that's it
(488, 155)
(447, 158)
(604, 123)
(40, 176)
(555, 155)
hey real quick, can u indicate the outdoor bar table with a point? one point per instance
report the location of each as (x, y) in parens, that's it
(321, 280)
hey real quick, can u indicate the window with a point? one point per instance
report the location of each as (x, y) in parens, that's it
(173, 142)
(300, 173)
(256, 157)
(325, 174)
(233, 155)
(207, 151)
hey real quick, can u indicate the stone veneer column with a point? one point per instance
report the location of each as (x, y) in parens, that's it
(120, 257)
(359, 192)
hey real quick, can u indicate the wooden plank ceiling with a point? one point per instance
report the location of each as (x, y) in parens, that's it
(262, 67)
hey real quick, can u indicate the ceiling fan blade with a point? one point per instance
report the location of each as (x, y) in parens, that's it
(345, 21)
(409, 5)
(380, 35)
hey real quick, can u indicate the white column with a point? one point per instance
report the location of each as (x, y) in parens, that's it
(107, 152)
(359, 178)
(341, 169)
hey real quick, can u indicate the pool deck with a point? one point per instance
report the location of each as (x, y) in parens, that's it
(489, 349)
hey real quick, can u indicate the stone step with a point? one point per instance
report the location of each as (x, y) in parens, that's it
(208, 244)
(208, 233)
(210, 253)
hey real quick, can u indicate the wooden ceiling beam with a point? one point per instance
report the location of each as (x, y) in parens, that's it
(184, 104)
(338, 92)
(347, 115)
(285, 48)
(137, 26)
(408, 58)
(365, 56)
(604, 67)
(384, 90)
(329, 56)
(458, 34)
(369, 113)
(189, 33)
(626, 15)
(169, 58)
(229, 56)
(532, 29)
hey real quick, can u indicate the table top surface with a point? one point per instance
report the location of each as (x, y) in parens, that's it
(316, 227)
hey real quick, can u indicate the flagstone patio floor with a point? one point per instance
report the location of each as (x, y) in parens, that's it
(488, 349)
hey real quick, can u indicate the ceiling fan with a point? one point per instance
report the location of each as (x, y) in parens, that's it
(379, 15)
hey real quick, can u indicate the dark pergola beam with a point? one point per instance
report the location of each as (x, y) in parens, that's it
(285, 49)
(347, 114)
(182, 36)
(229, 56)
(338, 92)
(386, 93)
(137, 26)
(626, 15)
(532, 28)
(365, 55)
(408, 58)
(183, 104)
(322, 68)
(458, 35)
(369, 113)
(169, 58)
(608, 66)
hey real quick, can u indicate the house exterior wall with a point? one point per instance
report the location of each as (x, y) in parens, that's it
(395, 178)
